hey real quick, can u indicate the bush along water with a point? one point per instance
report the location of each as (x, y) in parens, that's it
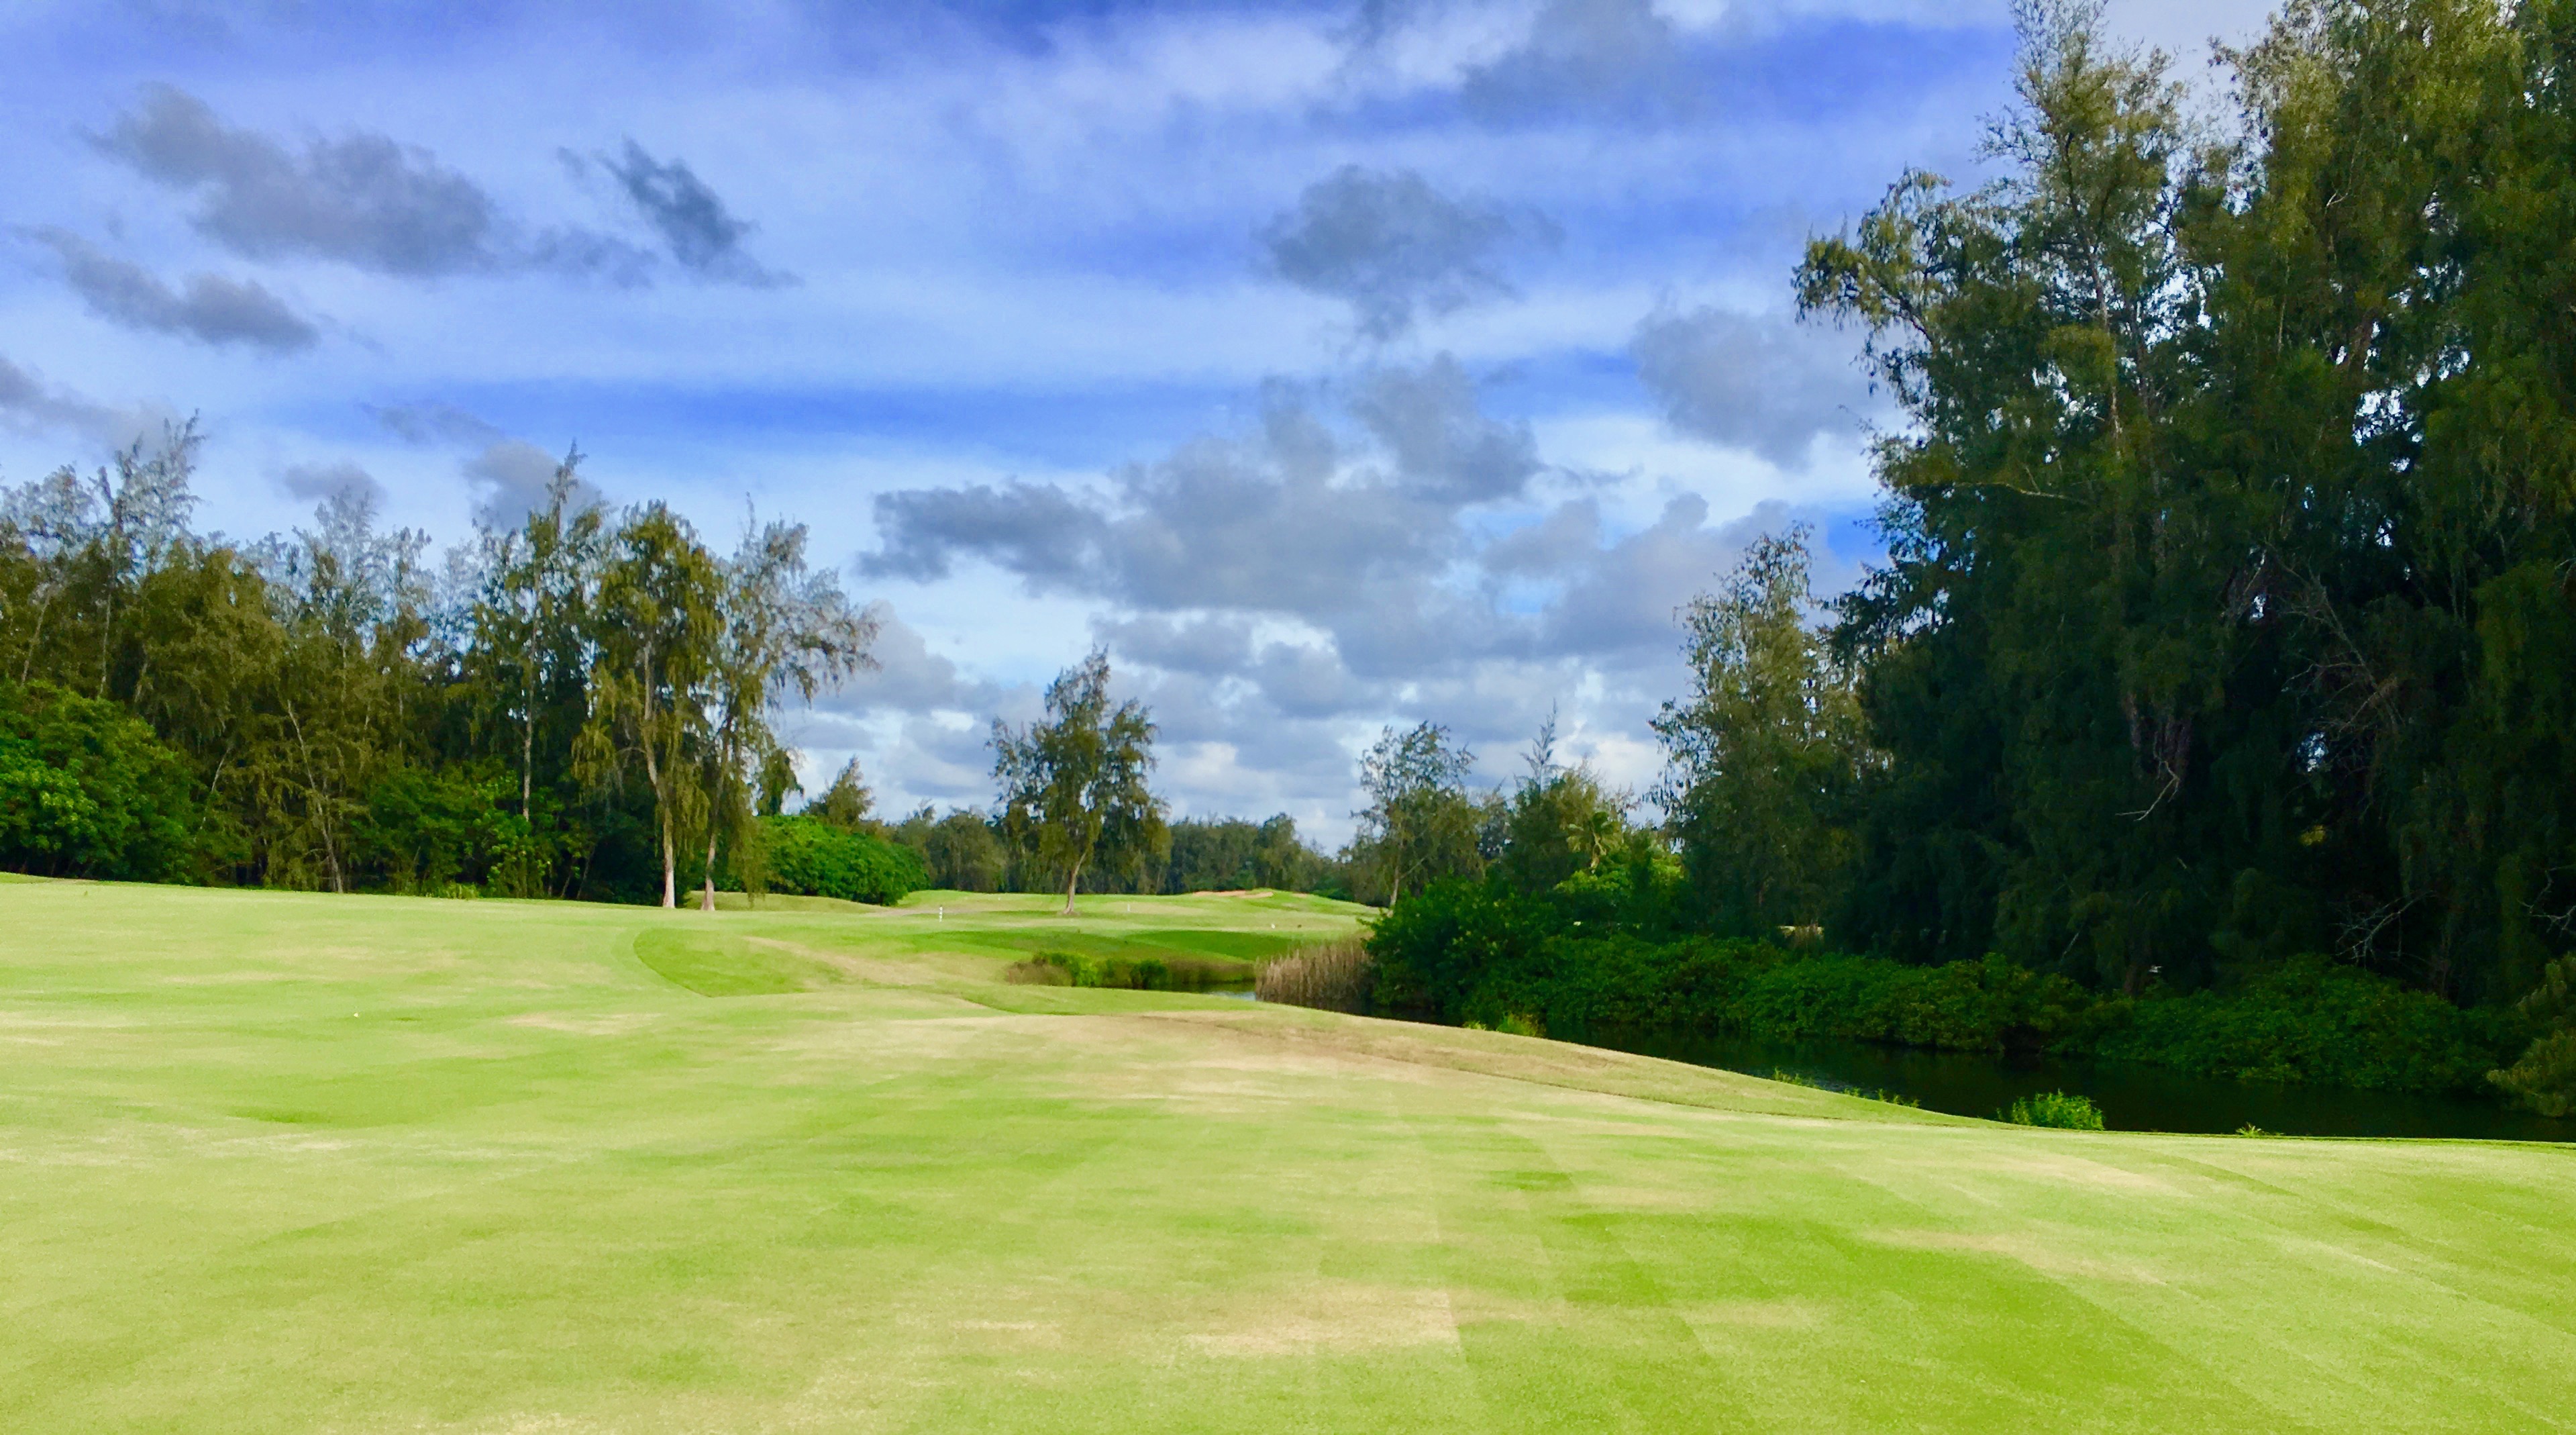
(2544, 1080)
(2055, 1108)
(1598, 954)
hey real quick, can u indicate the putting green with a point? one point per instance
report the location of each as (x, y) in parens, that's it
(277, 1162)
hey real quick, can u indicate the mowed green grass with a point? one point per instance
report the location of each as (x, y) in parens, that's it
(282, 1163)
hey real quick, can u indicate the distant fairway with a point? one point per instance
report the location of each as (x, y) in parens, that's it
(275, 1162)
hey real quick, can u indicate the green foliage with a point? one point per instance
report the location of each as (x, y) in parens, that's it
(2544, 1079)
(1766, 752)
(1231, 854)
(86, 790)
(1560, 821)
(809, 857)
(781, 629)
(1479, 952)
(1073, 786)
(651, 701)
(425, 831)
(2060, 1109)
(1420, 825)
(2227, 613)
(2310, 1020)
(847, 802)
(961, 851)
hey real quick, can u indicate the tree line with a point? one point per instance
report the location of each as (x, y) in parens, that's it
(2228, 617)
(580, 703)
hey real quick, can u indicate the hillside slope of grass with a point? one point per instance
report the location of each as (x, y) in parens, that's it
(279, 1162)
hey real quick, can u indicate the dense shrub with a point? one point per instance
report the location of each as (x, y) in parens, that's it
(2309, 1019)
(430, 832)
(1480, 954)
(2545, 1078)
(86, 790)
(2056, 1108)
(809, 858)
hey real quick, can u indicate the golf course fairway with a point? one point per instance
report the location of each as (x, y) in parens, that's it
(275, 1162)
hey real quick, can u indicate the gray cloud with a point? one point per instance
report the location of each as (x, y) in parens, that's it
(1441, 441)
(1614, 59)
(1261, 522)
(1310, 682)
(702, 235)
(1205, 645)
(1374, 532)
(909, 677)
(1370, 542)
(950, 764)
(1038, 531)
(362, 199)
(433, 423)
(210, 309)
(1620, 597)
(1749, 382)
(30, 405)
(324, 482)
(1392, 247)
(1570, 533)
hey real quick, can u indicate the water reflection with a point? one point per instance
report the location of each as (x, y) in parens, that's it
(2132, 1097)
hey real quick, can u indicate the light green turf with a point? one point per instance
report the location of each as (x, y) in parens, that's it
(277, 1163)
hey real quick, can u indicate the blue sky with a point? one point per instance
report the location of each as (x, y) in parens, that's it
(1335, 365)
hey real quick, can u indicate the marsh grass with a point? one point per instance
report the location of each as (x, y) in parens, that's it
(1337, 976)
(1145, 974)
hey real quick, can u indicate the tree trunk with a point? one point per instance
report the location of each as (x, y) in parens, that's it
(707, 894)
(318, 804)
(670, 869)
(1072, 885)
(528, 766)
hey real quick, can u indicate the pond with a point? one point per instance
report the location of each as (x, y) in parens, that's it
(2132, 1097)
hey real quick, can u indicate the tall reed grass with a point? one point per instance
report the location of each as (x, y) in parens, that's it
(1337, 976)
(1169, 973)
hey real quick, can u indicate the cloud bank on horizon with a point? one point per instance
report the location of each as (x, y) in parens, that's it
(1332, 364)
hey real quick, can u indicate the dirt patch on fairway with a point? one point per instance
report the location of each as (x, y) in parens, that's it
(2035, 1254)
(1546, 1063)
(1335, 1317)
(2078, 1171)
(607, 1024)
(864, 969)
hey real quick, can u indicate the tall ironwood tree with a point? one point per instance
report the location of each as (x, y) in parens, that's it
(1073, 786)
